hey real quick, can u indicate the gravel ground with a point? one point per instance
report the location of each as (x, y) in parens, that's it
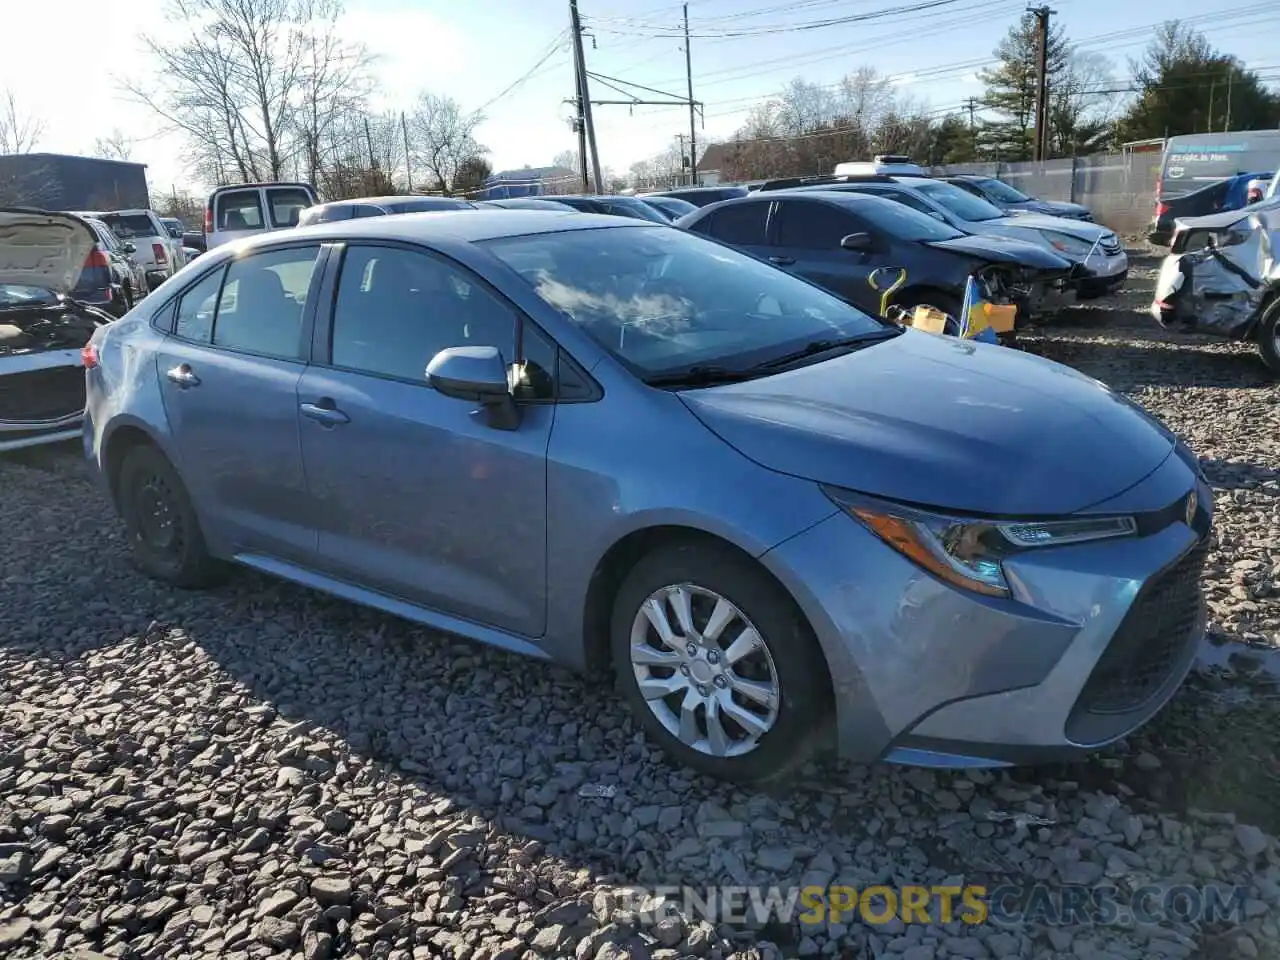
(261, 771)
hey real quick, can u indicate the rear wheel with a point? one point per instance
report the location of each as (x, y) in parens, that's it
(163, 530)
(718, 664)
(1269, 336)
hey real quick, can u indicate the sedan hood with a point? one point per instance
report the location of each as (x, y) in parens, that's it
(1081, 229)
(43, 249)
(1052, 208)
(1004, 250)
(941, 422)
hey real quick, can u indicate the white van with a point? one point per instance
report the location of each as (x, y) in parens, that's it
(247, 209)
(884, 164)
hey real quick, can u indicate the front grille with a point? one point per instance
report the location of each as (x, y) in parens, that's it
(35, 396)
(1150, 640)
(1110, 244)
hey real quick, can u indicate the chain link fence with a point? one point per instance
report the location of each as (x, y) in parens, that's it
(1118, 187)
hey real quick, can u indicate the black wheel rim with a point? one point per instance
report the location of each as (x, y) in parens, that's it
(158, 519)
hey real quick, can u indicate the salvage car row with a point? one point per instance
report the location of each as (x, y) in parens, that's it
(643, 449)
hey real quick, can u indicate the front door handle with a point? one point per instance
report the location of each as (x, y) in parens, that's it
(324, 411)
(183, 376)
(782, 261)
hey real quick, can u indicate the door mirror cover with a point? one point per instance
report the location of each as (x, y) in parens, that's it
(128, 247)
(857, 242)
(475, 374)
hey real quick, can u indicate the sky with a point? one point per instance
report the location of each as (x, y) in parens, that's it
(80, 51)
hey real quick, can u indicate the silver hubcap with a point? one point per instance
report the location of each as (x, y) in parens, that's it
(704, 670)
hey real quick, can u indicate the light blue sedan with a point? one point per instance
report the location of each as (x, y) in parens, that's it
(780, 522)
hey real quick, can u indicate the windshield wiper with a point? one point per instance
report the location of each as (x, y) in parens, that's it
(700, 375)
(814, 347)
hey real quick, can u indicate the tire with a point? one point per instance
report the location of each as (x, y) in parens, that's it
(1269, 336)
(168, 547)
(948, 304)
(128, 298)
(789, 662)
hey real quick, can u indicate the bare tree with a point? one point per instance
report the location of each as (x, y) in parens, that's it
(114, 146)
(254, 84)
(19, 131)
(443, 139)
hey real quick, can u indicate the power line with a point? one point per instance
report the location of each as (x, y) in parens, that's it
(557, 45)
(767, 30)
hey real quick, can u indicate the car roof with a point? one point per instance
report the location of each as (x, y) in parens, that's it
(470, 225)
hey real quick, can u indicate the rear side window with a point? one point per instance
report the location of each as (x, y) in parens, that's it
(366, 210)
(262, 301)
(741, 223)
(286, 204)
(812, 226)
(239, 210)
(196, 309)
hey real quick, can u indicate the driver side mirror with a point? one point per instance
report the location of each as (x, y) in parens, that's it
(128, 247)
(857, 242)
(477, 375)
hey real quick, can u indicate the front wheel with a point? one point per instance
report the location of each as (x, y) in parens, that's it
(718, 664)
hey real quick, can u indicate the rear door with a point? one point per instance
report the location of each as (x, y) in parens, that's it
(229, 372)
(237, 213)
(807, 234)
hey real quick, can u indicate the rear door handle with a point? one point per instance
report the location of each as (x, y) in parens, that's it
(183, 376)
(782, 261)
(324, 411)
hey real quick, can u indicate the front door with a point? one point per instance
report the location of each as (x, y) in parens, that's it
(229, 375)
(417, 496)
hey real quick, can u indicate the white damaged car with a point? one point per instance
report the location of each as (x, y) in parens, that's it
(43, 330)
(1222, 277)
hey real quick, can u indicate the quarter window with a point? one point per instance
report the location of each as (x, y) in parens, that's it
(195, 312)
(397, 308)
(262, 302)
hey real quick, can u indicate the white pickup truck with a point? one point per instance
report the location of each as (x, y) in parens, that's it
(156, 251)
(247, 209)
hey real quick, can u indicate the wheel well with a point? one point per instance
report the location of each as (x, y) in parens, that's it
(618, 561)
(122, 441)
(1268, 301)
(919, 290)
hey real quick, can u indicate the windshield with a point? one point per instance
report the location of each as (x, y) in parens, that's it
(664, 300)
(21, 295)
(673, 206)
(1002, 191)
(964, 205)
(899, 220)
(629, 207)
(127, 226)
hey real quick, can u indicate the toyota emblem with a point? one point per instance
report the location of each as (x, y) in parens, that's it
(1191, 508)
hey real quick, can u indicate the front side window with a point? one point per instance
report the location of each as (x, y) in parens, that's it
(195, 311)
(262, 302)
(239, 210)
(398, 308)
(662, 300)
(964, 205)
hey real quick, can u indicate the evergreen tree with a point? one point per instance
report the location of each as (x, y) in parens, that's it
(1011, 88)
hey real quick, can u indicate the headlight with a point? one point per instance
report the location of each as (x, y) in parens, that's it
(966, 552)
(1065, 243)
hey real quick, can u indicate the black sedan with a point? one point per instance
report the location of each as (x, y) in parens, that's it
(836, 239)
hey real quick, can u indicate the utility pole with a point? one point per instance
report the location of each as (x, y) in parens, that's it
(688, 72)
(368, 139)
(683, 156)
(972, 105)
(1226, 127)
(408, 162)
(1042, 143)
(587, 134)
(1209, 126)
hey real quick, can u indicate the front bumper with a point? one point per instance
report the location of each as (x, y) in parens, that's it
(924, 673)
(1102, 275)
